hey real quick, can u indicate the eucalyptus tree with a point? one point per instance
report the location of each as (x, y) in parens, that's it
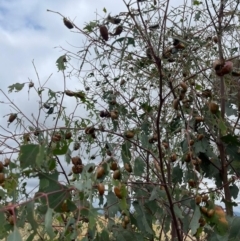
(154, 118)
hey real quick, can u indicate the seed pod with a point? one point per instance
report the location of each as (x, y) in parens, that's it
(36, 132)
(224, 69)
(46, 106)
(68, 135)
(89, 130)
(117, 175)
(198, 199)
(102, 114)
(173, 157)
(202, 221)
(177, 44)
(123, 81)
(11, 219)
(149, 53)
(213, 107)
(203, 210)
(100, 172)
(207, 93)
(156, 165)
(113, 20)
(104, 32)
(205, 198)
(76, 160)
(2, 177)
(128, 167)
(1, 166)
(101, 189)
(165, 144)
(189, 156)
(31, 84)
(69, 93)
(50, 111)
(215, 39)
(26, 137)
(117, 192)
(175, 104)
(184, 86)
(56, 137)
(76, 146)
(12, 117)
(199, 119)
(113, 166)
(126, 219)
(129, 134)
(200, 137)
(67, 23)
(118, 30)
(153, 27)
(124, 225)
(191, 143)
(114, 115)
(132, 99)
(6, 162)
(192, 183)
(77, 169)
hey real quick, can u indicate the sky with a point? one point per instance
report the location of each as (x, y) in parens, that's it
(28, 32)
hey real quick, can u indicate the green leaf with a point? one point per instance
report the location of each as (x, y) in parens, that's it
(105, 235)
(178, 211)
(229, 109)
(50, 186)
(201, 146)
(31, 237)
(68, 156)
(139, 166)
(61, 148)
(197, 15)
(175, 125)
(177, 174)
(15, 235)
(104, 10)
(196, 3)
(194, 224)
(40, 155)
(126, 154)
(61, 63)
(17, 87)
(234, 232)
(127, 39)
(112, 204)
(222, 126)
(30, 215)
(156, 193)
(142, 221)
(234, 191)
(231, 139)
(90, 28)
(48, 223)
(28, 155)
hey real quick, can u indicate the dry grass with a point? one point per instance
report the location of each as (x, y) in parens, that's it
(82, 232)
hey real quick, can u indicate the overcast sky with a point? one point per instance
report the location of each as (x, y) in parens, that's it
(28, 32)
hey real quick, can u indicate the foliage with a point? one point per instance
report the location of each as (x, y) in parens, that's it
(155, 115)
